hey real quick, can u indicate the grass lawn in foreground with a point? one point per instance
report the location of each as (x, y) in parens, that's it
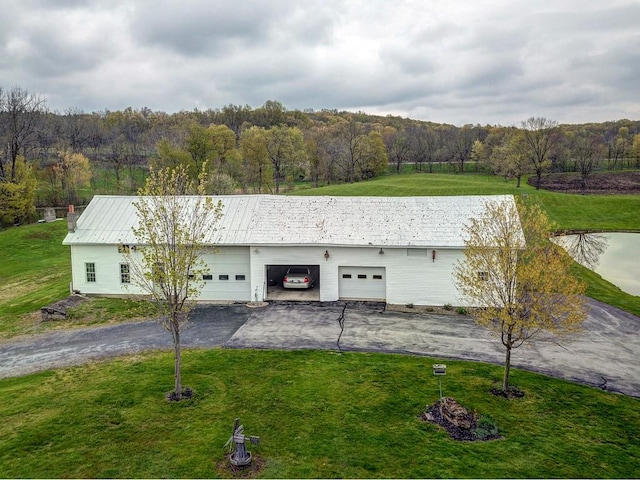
(318, 414)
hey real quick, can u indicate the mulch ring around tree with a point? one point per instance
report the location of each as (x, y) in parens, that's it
(461, 423)
(597, 183)
(227, 470)
(511, 392)
(187, 394)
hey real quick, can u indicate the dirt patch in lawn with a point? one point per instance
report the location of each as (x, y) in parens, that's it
(608, 183)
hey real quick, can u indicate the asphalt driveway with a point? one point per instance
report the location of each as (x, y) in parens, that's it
(606, 353)
(210, 326)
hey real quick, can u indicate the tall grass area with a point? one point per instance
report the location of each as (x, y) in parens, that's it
(318, 414)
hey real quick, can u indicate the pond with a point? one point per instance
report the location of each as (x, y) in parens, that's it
(614, 256)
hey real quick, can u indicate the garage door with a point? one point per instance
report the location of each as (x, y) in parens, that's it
(229, 276)
(362, 283)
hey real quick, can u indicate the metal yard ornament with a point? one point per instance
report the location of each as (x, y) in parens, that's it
(240, 457)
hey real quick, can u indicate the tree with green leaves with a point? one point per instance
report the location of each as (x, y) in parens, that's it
(175, 224)
(74, 172)
(519, 280)
(258, 167)
(17, 197)
(509, 159)
(286, 150)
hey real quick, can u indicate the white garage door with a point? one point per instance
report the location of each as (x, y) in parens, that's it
(229, 276)
(362, 283)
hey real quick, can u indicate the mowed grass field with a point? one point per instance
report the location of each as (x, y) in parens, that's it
(318, 415)
(35, 270)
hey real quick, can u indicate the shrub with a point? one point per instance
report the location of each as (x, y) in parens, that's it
(486, 428)
(461, 310)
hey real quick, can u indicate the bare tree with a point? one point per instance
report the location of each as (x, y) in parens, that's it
(585, 248)
(541, 136)
(586, 152)
(20, 114)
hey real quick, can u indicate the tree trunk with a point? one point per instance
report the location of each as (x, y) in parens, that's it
(177, 360)
(518, 177)
(507, 370)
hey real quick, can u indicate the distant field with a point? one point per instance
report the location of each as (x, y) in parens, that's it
(570, 212)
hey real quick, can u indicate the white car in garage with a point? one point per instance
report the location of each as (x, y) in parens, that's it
(298, 277)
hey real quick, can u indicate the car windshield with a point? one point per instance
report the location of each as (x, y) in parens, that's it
(298, 271)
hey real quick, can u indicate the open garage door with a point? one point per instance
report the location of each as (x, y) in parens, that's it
(296, 289)
(362, 283)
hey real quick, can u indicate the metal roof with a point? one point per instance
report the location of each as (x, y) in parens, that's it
(305, 220)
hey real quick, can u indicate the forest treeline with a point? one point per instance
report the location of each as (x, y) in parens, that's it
(51, 158)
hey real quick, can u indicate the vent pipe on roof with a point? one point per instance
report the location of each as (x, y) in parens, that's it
(72, 219)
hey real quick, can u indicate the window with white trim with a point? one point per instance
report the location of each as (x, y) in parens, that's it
(125, 275)
(90, 270)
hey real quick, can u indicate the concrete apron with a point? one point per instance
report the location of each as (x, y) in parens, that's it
(604, 354)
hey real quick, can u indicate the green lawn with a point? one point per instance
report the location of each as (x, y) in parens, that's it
(36, 270)
(319, 414)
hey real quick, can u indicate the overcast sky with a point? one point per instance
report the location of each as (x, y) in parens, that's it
(447, 61)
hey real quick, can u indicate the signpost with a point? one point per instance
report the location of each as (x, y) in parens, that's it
(439, 370)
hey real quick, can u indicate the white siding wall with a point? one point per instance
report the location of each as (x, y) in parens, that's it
(409, 279)
(107, 261)
(230, 261)
(421, 280)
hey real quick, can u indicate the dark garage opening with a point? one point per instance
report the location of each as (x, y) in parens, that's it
(276, 291)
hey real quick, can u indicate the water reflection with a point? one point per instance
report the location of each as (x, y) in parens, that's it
(614, 256)
(586, 248)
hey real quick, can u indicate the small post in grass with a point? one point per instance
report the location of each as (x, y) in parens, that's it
(439, 370)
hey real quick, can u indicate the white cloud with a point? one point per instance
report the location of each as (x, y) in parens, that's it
(497, 61)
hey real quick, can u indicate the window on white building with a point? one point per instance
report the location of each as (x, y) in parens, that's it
(125, 276)
(90, 269)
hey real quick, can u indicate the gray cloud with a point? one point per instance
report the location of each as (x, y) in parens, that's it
(498, 61)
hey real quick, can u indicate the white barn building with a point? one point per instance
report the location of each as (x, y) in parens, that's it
(400, 250)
